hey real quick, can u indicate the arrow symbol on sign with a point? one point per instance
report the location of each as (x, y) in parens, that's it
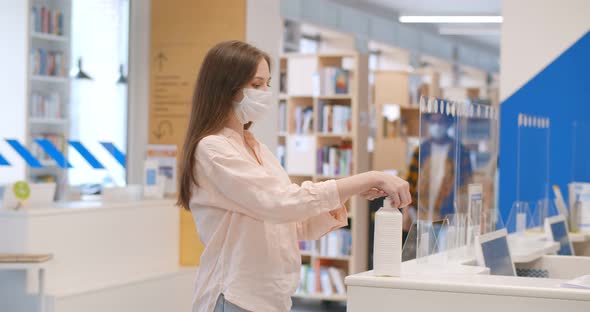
(160, 58)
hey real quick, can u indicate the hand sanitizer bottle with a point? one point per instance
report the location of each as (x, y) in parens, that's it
(387, 247)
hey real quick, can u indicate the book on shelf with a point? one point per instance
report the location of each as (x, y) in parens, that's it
(47, 63)
(45, 105)
(325, 283)
(337, 277)
(325, 280)
(47, 20)
(309, 247)
(303, 120)
(283, 116)
(334, 118)
(334, 160)
(331, 81)
(336, 244)
(310, 286)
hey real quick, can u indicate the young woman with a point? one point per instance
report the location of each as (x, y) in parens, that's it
(248, 213)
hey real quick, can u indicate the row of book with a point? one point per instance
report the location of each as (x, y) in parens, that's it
(58, 140)
(45, 105)
(283, 116)
(48, 63)
(334, 244)
(331, 81)
(303, 120)
(334, 160)
(323, 279)
(48, 21)
(334, 118)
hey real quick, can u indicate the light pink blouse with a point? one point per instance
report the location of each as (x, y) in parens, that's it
(250, 217)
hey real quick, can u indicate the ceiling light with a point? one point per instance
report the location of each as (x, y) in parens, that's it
(435, 19)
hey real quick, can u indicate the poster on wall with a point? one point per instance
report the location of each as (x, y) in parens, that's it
(165, 156)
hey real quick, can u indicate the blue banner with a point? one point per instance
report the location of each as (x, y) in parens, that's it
(111, 148)
(3, 161)
(54, 153)
(86, 154)
(24, 153)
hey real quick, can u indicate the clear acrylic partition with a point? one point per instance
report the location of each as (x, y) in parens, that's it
(477, 147)
(578, 199)
(532, 204)
(456, 179)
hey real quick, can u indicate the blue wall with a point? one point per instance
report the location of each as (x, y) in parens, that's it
(561, 92)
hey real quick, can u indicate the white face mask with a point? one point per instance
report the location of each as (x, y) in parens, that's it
(437, 131)
(253, 106)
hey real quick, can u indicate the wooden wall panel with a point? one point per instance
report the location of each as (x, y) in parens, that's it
(182, 31)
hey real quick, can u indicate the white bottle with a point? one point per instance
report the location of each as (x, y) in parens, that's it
(387, 249)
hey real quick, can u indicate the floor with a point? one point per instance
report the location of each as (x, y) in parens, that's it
(301, 305)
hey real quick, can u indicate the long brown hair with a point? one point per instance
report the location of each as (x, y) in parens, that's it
(227, 68)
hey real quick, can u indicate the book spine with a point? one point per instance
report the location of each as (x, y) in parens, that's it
(333, 160)
(60, 24)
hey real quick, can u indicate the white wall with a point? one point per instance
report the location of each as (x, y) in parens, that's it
(264, 30)
(534, 33)
(14, 56)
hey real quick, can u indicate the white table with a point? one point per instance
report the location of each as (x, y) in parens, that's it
(40, 267)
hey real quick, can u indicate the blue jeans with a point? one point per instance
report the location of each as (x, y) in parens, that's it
(223, 305)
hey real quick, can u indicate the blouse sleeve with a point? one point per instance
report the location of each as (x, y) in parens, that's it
(257, 193)
(318, 226)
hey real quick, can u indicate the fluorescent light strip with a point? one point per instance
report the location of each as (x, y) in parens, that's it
(486, 19)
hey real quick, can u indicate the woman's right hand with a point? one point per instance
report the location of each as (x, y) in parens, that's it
(375, 184)
(397, 189)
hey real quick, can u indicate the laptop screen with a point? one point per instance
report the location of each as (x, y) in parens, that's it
(497, 258)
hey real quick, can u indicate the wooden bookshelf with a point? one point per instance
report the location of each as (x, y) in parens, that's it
(392, 91)
(300, 76)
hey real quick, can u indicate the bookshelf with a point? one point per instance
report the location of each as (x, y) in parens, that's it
(48, 87)
(323, 129)
(395, 97)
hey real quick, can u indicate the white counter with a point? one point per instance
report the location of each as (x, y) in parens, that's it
(95, 246)
(451, 282)
(456, 293)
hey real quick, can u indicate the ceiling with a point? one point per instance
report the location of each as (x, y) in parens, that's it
(441, 7)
